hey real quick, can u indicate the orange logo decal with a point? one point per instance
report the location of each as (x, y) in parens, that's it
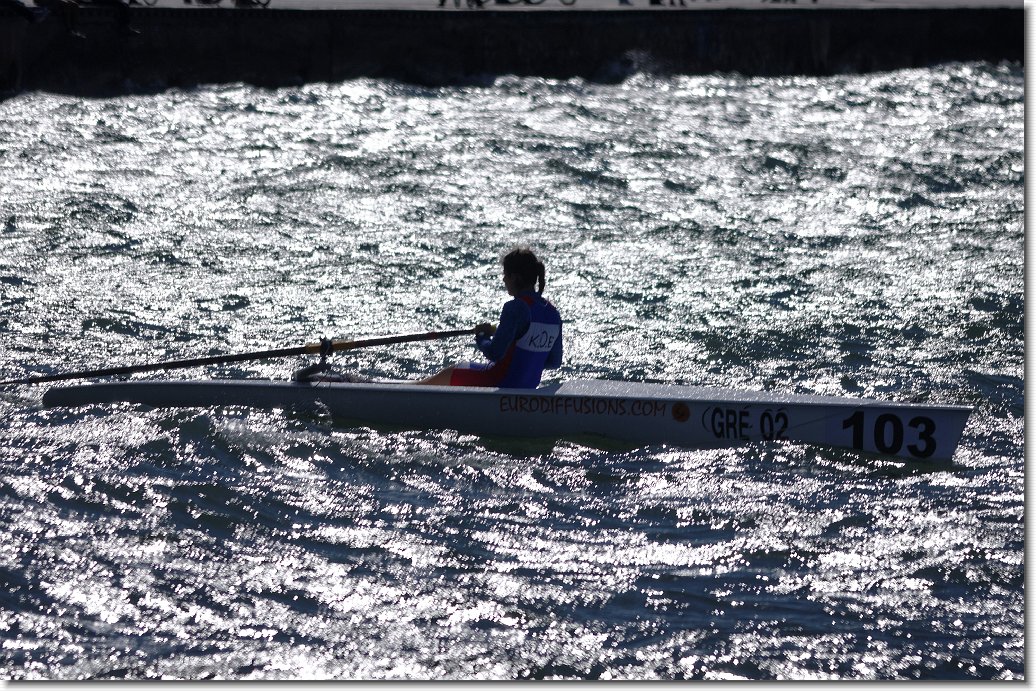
(681, 412)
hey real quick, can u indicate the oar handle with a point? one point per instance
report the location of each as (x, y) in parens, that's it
(342, 345)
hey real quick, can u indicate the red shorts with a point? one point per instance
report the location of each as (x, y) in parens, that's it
(478, 374)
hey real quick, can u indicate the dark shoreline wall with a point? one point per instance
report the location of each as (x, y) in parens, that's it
(97, 50)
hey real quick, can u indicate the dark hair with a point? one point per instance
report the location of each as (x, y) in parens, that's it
(522, 261)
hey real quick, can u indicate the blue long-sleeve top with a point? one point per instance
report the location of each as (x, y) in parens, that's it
(514, 322)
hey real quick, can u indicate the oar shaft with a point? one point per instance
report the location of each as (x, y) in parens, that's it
(343, 345)
(387, 340)
(165, 365)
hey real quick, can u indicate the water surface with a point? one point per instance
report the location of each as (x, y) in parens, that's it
(856, 235)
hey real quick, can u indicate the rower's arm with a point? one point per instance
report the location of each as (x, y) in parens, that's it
(510, 320)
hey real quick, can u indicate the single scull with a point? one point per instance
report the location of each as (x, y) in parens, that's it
(644, 413)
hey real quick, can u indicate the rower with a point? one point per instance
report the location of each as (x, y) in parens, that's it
(527, 340)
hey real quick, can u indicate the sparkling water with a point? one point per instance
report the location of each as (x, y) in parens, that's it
(857, 235)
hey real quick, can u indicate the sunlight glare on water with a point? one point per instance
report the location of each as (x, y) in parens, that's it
(856, 235)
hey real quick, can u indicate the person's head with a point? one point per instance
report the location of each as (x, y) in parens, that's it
(522, 271)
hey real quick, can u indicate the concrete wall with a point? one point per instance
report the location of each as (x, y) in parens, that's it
(100, 49)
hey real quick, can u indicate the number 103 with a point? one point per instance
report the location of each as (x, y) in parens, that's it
(888, 434)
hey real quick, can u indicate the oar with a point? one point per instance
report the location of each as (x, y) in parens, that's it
(317, 347)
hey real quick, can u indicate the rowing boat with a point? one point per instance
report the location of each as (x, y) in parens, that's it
(638, 413)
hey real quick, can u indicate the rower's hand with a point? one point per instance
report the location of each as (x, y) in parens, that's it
(485, 329)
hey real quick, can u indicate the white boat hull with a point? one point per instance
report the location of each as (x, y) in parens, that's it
(638, 413)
